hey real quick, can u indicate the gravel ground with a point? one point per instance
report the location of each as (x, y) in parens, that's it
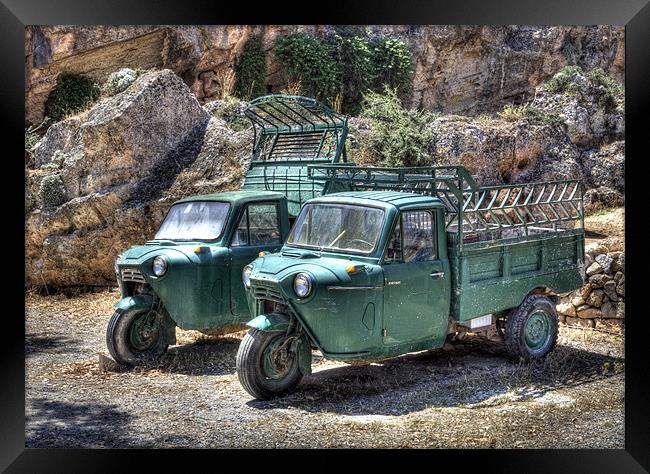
(465, 395)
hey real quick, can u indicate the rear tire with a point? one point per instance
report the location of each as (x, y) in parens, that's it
(127, 344)
(532, 328)
(260, 371)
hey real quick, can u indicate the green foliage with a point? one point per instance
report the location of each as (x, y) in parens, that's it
(561, 80)
(119, 81)
(512, 113)
(72, 93)
(399, 136)
(345, 65)
(598, 84)
(392, 64)
(311, 62)
(250, 71)
(52, 191)
(604, 87)
(355, 61)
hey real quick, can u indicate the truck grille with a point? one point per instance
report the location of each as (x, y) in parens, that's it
(267, 293)
(132, 274)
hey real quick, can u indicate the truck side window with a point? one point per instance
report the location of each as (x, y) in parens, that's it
(418, 236)
(263, 224)
(394, 251)
(258, 225)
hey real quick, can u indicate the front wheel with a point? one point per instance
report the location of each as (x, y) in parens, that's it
(135, 336)
(267, 364)
(532, 328)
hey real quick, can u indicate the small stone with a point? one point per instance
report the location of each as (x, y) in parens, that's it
(585, 323)
(605, 262)
(595, 298)
(615, 325)
(620, 288)
(566, 309)
(589, 259)
(595, 249)
(619, 264)
(577, 301)
(562, 318)
(584, 291)
(610, 290)
(594, 268)
(613, 310)
(618, 277)
(589, 312)
(599, 280)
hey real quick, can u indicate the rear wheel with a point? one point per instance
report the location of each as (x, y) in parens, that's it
(135, 336)
(532, 328)
(267, 365)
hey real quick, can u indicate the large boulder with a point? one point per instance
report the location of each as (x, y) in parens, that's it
(122, 164)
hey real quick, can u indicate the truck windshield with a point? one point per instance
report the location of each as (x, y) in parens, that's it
(340, 227)
(194, 220)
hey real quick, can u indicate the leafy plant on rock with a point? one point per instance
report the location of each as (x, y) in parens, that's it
(250, 70)
(72, 93)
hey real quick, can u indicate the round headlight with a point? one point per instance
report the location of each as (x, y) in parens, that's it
(159, 266)
(302, 285)
(246, 275)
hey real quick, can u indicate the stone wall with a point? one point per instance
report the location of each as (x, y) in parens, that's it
(600, 303)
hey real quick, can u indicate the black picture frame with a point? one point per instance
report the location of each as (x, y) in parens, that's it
(634, 14)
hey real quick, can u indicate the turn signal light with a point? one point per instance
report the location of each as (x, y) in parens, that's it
(261, 254)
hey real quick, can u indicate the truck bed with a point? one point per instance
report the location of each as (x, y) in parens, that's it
(490, 276)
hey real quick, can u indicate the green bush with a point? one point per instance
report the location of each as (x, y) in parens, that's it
(512, 113)
(345, 65)
(52, 191)
(119, 81)
(604, 87)
(250, 71)
(311, 62)
(399, 136)
(392, 64)
(72, 93)
(559, 82)
(355, 61)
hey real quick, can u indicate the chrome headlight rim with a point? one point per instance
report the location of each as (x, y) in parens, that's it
(306, 282)
(246, 275)
(159, 266)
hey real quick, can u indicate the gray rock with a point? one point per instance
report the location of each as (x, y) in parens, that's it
(618, 265)
(595, 298)
(613, 310)
(589, 312)
(593, 269)
(599, 280)
(610, 290)
(566, 309)
(605, 262)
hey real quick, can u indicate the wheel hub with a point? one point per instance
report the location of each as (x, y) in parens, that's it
(141, 333)
(278, 359)
(537, 330)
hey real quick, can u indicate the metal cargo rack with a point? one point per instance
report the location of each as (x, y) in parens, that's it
(290, 133)
(473, 213)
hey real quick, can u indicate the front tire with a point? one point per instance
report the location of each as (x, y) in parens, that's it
(130, 342)
(263, 369)
(532, 328)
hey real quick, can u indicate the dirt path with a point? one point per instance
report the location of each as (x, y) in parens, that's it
(468, 395)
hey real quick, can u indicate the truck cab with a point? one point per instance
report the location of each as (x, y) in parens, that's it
(189, 274)
(370, 274)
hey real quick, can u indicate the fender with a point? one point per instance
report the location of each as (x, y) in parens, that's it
(145, 302)
(270, 322)
(280, 322)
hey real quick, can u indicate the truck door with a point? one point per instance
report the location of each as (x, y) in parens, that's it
(415, 281)
(258, 230)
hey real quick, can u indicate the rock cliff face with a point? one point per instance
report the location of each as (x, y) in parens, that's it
(468, 69)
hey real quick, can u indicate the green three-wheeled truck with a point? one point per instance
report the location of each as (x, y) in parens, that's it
(404, 260)
(189, 275)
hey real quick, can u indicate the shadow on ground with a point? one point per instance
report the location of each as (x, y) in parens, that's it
(470, 373)
(52, 424)
(35, 343)
(206, 356)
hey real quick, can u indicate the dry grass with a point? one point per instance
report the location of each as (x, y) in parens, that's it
(226, 78)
